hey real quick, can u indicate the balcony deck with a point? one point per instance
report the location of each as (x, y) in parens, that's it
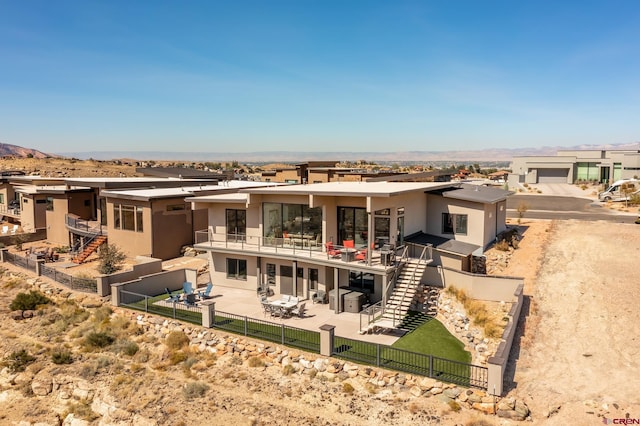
(281, 249)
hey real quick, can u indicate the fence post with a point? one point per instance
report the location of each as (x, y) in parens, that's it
(282, 333)
(246, 326)
(39, 265)
(3, 254)
(146, 304)
(116, 297)
(327, 335)
(430, 365)
(208, 313)
(377, 354)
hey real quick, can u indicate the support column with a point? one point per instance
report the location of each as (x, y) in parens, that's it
(327, 335)
(39, 264)
(336, 290)
(208, 313)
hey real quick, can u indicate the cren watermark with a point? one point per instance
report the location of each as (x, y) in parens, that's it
(621, 421)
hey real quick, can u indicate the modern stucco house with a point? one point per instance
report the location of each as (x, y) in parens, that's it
(568, 166)
(286, 237)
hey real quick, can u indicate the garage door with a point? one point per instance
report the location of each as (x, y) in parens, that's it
(552, 175)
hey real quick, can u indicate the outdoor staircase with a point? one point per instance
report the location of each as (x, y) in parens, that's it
(402, 297)
(89, 249)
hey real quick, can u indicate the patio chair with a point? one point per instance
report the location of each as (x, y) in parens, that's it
(173, 298)
(5, 229)
(361, 255)
(299, 310)
(14, 229)
(206, 294)
(190, 299)
(349, 243)
(332, 251)
(187, 287)
(319, 297)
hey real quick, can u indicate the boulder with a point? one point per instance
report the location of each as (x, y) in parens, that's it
(42, 384)
(484, 407)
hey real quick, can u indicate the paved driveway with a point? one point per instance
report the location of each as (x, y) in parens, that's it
(565, 189)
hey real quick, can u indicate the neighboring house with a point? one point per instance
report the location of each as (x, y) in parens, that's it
(568, 166)
(278, 236)
(157, 222)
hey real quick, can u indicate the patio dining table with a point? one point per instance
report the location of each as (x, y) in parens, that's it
(285, 306)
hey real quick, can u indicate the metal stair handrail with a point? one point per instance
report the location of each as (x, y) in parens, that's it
(411, 283)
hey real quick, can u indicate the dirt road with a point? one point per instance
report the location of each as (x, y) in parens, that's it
(581, 344)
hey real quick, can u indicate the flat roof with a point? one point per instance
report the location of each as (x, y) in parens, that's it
(232, 197)
(132, 182)
(443, 244)
(145, 194)
(474, 193)
(350, 189)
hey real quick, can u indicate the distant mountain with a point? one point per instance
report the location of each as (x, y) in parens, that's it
(18, 151)
(490, 154)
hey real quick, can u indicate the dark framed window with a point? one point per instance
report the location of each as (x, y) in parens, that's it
(237, 269)
(454, 223)
(128, 218)
(175, 207)
(313, 279)
(353, 225)
(292, 219)
(271, 274)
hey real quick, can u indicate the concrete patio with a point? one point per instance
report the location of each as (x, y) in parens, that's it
(247, 303)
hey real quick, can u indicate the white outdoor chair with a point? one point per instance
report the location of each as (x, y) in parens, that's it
(14, 230)
(5, 229)
(299, 310)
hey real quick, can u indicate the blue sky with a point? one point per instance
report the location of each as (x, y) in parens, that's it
(242, 76)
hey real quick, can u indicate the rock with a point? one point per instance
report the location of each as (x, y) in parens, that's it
(42, 385)
(435, 391)
(452, 392)
(427, 383)
(510, 414)
(507, 404)
(444, 398)
(522, 409)
(415, 391)
(484, 407)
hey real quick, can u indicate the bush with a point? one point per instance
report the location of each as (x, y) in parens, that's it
(254, 361)
(176, 340)
(176, 357)
(98, 340)
(288, 369)
(502, 245)
(194, 390)
(61, 356)
(111, 259)
(28, 301)
(347, 388)
(17, 361)
(127, 347)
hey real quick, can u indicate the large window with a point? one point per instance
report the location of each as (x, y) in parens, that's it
(127, 218)
(362, 281)
(294, 220)
(50, 203)
(237, 269)
(236, 224)
(352, 225)
(454, 223)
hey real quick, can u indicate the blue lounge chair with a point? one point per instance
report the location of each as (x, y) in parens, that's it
(206, 294)
(187, 287)
(172, 297)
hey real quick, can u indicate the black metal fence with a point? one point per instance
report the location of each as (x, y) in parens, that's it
(88, 285)
(21, 261)
(74, 283)
(160, 306)
(411, 362)
(266, 330)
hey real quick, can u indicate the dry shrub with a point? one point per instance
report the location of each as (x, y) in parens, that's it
(454, 406)
(371, 388)
(347, 388)
(176, 340)
(254, 361)
(493, 330)
(288, 370)
(502, 245)
(194, 390)
(102, 314)
(83, 410)
(478, 422)
(176, 357)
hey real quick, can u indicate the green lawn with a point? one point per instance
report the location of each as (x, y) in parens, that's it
(431, 337)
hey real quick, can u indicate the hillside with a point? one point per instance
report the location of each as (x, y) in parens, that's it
(65, 167)
(18, 151)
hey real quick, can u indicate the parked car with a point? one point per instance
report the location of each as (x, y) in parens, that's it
(621, 190)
